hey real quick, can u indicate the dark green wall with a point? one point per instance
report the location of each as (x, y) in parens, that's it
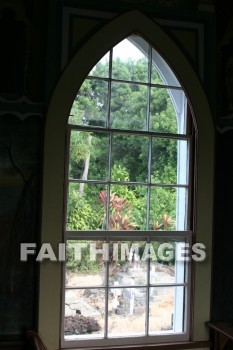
(29, 69)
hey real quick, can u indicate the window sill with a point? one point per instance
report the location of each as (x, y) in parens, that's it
(170, 346)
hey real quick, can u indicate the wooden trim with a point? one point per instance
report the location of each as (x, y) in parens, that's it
(225, 328)
(221, 333)
(170, 346)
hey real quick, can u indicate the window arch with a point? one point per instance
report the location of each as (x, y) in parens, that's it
(54, 160)
(167, 76)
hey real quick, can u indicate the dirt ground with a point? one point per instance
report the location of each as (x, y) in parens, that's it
(161, 306)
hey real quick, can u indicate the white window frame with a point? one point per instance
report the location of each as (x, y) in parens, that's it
(181, 319)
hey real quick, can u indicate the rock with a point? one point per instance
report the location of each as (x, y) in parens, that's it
(80, 324)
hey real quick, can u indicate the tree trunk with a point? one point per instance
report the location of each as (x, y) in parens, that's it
(86, 167)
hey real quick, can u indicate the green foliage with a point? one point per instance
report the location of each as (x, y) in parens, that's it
(90, 104)
(135, 196)
(163, 208)
(83, 264)
(129, 157)
(80, 212)
(80, 149)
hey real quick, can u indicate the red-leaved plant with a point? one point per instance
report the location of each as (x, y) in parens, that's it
(167, 222)
(120, 212)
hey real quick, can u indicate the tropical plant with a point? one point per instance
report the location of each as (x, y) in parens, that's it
(120, 212)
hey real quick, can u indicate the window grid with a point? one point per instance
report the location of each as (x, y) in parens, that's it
(173, 236)
(160, 86)
(185, 235)
(148, 184)
(130, 132)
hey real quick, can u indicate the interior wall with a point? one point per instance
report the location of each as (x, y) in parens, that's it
(222, 300)
(22, 43)
(222, 285)
(30, 67)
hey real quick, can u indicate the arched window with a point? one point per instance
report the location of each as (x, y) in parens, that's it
(140, 173)
(128, 202)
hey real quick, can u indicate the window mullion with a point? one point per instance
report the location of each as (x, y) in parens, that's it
(149, 88)
(66, 187)
(189, 179)
(149, 184)
(150, 146)
(109, 90)
(135, 132)
(109, 182)
(106, 294)
(191, 193)
(148, 293)
(155, 184)
(160, 86)
(149, 187)
(110, 139)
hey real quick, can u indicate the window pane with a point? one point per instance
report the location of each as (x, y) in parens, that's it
(128, 106)
(162, 112)
(128, 207)
(130, 158)
(163, 208)
(166, 309)
(90, 106)
(126, 266)
(161, 73)
(84, 208)
(84, 313)
(182, 205)
(88, 155)
(101, 69)
(129, 62)
(169, 162)
(163, 271)
(180, 106)
(168, 207)
(86, 263)
(167, 267)
(155, 76)
(127, 308)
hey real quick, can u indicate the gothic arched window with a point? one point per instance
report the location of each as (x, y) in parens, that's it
(128, 202)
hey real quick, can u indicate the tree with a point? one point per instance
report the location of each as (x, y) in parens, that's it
(129, 157)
